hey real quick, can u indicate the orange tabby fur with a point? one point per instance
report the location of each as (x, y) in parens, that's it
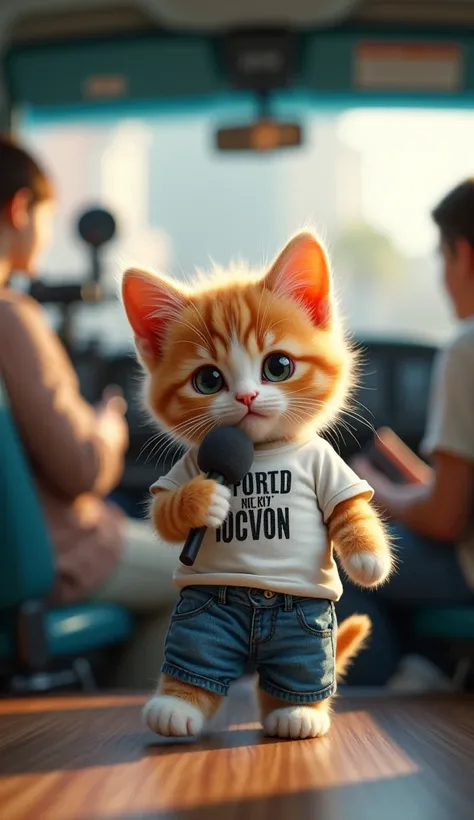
(356, 528)
(238, 317)
(175, 513)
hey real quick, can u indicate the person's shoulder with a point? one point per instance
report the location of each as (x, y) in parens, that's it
(13, 302)
(463, 340)
(456, 358)
(21, 320)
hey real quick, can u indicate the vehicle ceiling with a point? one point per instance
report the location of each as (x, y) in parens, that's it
(33, 20)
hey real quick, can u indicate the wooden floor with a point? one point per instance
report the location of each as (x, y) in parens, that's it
(75, 758)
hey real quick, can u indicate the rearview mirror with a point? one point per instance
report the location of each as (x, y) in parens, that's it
(264, 135)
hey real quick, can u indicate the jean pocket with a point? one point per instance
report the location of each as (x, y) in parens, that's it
(316, 616)
(192, 602)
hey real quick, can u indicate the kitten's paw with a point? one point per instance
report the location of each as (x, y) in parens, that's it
(297, 723)
(369, 569)
(170, 716)
(219, 506)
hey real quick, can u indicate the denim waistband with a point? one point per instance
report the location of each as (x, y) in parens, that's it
(250, 596)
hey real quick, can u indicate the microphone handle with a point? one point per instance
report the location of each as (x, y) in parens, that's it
(196, 535)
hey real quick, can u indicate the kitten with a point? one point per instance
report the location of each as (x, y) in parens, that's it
(266, 353)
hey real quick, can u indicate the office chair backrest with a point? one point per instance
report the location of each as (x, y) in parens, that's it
(26, 557)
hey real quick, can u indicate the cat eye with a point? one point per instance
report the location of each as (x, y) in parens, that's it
(277, 367)
(208, 380)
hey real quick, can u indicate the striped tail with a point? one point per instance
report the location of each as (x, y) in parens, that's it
(351, 637)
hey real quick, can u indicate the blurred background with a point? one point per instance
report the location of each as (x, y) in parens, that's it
(367, 180)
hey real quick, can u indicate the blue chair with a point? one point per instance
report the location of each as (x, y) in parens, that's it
(41, 648)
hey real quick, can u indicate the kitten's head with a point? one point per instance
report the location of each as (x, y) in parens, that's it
(263, 353)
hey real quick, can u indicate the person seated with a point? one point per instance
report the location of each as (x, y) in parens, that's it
(432, 510)
(76, 451)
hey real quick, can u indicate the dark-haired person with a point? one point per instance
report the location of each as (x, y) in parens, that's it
(434, 519)
(76, 451)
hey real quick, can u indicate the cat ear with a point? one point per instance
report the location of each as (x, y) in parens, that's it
(151, 303)
(301, 272)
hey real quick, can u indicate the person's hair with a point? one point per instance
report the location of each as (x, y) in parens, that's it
(18, 170)
(454, 215)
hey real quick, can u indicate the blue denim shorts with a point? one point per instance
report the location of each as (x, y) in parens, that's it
(216, 633)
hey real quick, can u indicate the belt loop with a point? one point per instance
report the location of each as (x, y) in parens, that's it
(288, 603)
(222, 595)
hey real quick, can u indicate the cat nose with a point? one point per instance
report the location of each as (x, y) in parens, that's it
(246, 398)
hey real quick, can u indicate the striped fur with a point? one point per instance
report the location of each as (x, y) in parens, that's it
(360, 540)
(175, 513)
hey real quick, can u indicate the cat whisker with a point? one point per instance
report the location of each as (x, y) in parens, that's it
(158, 450)
(295, 415)
(154, 446)
(360, 404)
(274, 324)
(258, 328)
(193, 424)
(199, 333)
(160, 446)
(185, 342)
(302, 390)
(310, 404)
(358, 418)
(185, 432)
(349, 430)
(149, 442)
(172, 444)
(155, 441)
(304, 399)
(262, 320)
(201, 317)
(187, 425)
(333, 436)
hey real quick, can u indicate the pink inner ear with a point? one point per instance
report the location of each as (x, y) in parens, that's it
(150, 303)
(301, 272)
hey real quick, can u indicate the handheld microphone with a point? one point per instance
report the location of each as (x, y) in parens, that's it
(225, 455)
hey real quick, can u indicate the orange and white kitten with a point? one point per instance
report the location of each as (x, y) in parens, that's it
(208, 353)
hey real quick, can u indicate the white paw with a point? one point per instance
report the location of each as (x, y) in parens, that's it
(297, 723)
(368, 568)
(219, 506)
(172, 717)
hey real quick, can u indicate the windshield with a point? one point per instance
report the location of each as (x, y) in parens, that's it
(366, 179)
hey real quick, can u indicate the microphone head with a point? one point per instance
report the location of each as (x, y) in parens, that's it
(227, 451)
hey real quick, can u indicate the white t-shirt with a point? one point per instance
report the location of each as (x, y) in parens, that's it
(275, 536)
(450, 427)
